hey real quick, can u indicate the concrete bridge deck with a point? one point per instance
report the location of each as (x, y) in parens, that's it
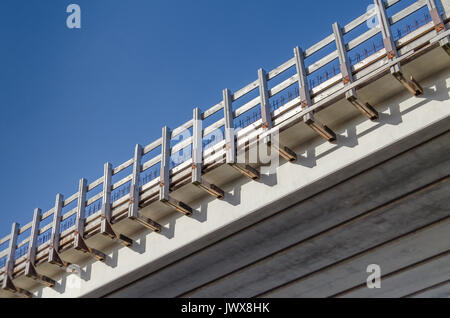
(378, 194)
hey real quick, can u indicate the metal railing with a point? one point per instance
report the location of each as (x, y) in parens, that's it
(317, 79)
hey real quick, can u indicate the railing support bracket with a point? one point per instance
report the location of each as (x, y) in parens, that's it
(30, 272)
(319, 128)
(211, 189)
(148, 223)
(178, 206)
(108, 231)
(55, 259)
(411, 85)
(284, 151)
(247, 171)
(365, 108)
(81, 245)
(9, 286)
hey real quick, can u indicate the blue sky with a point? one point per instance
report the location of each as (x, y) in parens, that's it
(70, 100)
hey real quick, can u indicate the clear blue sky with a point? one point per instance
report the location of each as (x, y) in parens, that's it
(70, 100)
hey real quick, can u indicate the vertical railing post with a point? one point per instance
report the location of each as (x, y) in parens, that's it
(230, 146)
(197, 147)
(11, 258)
(391, 50)
(230, 140)
(344, 61)
(436, 16)
(135, 184)
(347, 75)
(53, 255)
(164, 183)
(106, 196)
(81, 213)
(305, 96)
(388, 39)
(266, 116)
(197, 158)
(32, 247)
(438, 21)
(265, 104)
(8, 283)
(80, 224)
(30, 269)
(106, 228)
(165, 166)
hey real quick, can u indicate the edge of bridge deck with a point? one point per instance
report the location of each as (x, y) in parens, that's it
(117, 219)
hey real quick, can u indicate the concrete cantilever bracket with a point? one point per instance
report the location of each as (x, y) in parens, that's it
(211, 189)
(9, 286)
(365, 108)
(411, 85)
(30, 272)
(319, 128)
(178, 206)
(247, 171)
(81, 245)
(108, 231)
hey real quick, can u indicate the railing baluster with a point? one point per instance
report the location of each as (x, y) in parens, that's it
(347, 76)
(32, 247)
(30, 266)
(197, 147)
(305, 98)
(164, 190)
(81, 211)
(388, 39)
(133, 209)
(106, 228)
(106, 197)
(230, 141)
(10, 259)
(392, 53)
(165, 165)
(436, 16)
(229, 127)
(53, 254)
(80, 224)
(134, 194)
(439, 23)
(8, 283)
(266, 115)
(197, 158)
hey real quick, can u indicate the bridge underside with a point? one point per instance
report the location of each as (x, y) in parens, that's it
(390, 207)
(394, 214)
(378, 195)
